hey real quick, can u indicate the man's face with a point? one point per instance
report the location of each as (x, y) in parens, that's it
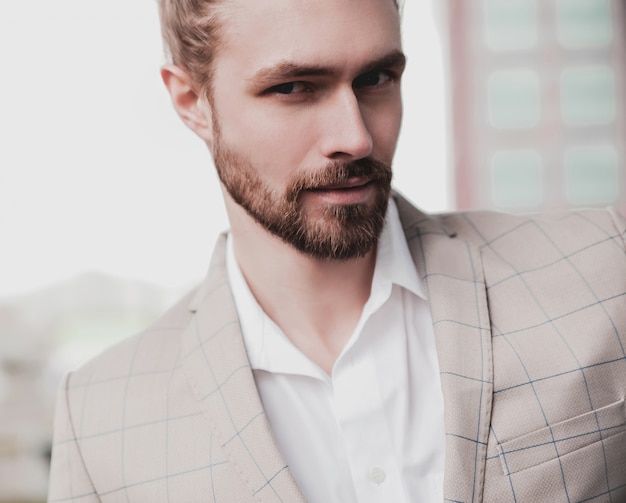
(306, 112)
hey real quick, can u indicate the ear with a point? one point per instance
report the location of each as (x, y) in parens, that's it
(195, 113)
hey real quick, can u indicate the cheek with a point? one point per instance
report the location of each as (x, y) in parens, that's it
(275, 147)
(283, 140)
(385, 129)
(250, 125)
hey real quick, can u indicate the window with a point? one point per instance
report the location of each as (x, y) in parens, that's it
(592, 175)
(517, 178)
(511, 25)
(514, 99)
(584, 23)
(587, 96)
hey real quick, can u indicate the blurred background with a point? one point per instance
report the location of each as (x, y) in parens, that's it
(109, 207)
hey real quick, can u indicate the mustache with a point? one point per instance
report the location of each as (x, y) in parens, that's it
(337, 172)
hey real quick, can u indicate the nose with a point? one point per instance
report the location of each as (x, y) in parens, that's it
(345, 133)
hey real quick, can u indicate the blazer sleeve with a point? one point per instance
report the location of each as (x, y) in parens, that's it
(69, 479)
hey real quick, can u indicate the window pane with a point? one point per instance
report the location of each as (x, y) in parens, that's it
(584, 23)
(514, 99)
(588, 96)
(592, 175)
(510, 24)
(517, 178)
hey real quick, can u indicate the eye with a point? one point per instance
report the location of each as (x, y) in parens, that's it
(372, 79)
(289, 88)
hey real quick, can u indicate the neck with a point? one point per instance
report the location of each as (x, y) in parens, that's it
(316, 303)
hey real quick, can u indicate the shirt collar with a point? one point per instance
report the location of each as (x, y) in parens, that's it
(267, 346)
(393, 258)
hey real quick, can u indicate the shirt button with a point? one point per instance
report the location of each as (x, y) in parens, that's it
(377, 475)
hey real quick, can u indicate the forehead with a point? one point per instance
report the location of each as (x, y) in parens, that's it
(258, 33)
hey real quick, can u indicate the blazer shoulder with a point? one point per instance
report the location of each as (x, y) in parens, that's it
(568, 228)
(147, 350)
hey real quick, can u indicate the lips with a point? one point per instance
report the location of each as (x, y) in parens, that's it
(352, 183)
(355, 190)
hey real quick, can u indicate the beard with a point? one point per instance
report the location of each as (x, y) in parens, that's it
(334, 232)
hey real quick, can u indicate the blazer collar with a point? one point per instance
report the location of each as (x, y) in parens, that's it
(451, 269)
(217, 366)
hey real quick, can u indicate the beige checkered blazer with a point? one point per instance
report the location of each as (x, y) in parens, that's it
(530, 320)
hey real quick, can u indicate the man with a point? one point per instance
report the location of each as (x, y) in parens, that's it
(346, 347)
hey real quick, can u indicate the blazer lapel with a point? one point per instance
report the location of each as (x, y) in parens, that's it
(452, 272)
(217, 365)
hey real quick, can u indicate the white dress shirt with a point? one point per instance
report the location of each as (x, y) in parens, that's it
(373, 430)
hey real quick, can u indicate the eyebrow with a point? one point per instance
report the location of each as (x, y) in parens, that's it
(288, 70)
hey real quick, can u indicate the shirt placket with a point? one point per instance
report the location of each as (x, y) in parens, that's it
(361, 419)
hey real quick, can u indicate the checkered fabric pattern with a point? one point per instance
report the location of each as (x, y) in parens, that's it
(530, 320)
(171, 415)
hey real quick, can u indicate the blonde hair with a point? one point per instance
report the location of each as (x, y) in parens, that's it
(190, 31)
